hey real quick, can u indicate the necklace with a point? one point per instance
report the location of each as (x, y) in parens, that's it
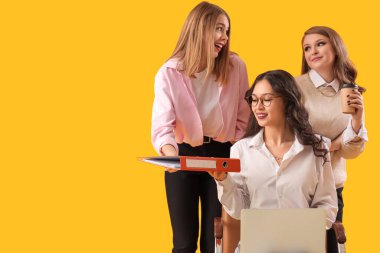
(279, 159)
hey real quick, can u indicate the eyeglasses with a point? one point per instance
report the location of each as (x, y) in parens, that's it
(265, 99)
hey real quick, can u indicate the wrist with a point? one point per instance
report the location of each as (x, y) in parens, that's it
(168, 150)
(356, 126)
(222, 177)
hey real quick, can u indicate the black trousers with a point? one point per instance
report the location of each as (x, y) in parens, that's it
(184, 189)
(339, 216)
(332, 244)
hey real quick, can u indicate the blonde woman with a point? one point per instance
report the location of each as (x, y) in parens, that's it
(198, 110)
(325, 68)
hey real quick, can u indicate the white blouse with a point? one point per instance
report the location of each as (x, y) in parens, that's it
(302, 181)
(206, 92)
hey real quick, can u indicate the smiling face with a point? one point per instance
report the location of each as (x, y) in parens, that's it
(274, 113)
(318, 52)
(221, 34)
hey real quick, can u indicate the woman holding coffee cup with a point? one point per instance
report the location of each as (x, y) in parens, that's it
(335, 106)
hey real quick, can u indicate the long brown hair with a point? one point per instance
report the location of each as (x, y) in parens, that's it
(344, 69)
(196, 42)
(296, 114)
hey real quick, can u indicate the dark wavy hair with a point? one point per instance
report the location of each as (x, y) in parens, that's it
(296, 115)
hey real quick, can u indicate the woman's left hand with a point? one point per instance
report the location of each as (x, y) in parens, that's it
(356, 101)
(335, 145)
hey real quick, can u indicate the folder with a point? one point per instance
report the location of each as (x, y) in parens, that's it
(195, 163)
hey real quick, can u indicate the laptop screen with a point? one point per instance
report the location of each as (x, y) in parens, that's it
(283, 230)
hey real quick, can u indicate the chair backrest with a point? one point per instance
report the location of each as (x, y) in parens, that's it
(283, 231)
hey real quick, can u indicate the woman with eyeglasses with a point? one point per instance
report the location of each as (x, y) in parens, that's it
(198, 110)
(283, 164)
(325, 69)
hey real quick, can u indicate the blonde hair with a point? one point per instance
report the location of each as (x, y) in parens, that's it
(196, 42)
(344, 69)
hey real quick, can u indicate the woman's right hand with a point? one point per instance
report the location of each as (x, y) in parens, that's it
(356, 101)
(220, 176)
(169, 150)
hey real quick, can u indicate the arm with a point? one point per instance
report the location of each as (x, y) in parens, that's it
(325, 192)
(350, 144)
(243, 108)
(356, 101)
(163, 116)
(169, 150)
(351, 141)
(232, 190)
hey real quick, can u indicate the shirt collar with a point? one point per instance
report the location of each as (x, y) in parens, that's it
(257, 142)
(318, 80)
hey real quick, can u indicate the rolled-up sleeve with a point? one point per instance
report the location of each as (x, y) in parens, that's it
(353, 143)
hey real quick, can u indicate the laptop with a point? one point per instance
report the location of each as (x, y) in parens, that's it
(283, 230)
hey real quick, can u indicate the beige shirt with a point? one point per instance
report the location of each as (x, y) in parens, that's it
(302, 180)
(327, 119)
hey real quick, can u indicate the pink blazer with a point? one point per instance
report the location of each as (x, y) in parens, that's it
(175, 118)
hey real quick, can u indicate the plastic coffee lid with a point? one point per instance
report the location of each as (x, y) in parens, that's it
(349, 85)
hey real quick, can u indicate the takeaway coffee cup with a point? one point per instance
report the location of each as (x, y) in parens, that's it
(346, 90)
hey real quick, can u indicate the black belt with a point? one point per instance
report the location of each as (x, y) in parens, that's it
(207, 139)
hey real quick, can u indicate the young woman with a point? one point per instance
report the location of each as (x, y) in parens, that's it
(325, 68)
(198, 110)
(283, 164)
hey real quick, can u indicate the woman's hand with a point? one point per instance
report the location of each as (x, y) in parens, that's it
(356, 101)
(335, 145)
(220, 176)
(169, 150)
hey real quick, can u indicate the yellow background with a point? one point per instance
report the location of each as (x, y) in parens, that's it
(76, 95)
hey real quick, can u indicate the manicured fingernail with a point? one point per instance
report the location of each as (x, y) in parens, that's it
(348, 95)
